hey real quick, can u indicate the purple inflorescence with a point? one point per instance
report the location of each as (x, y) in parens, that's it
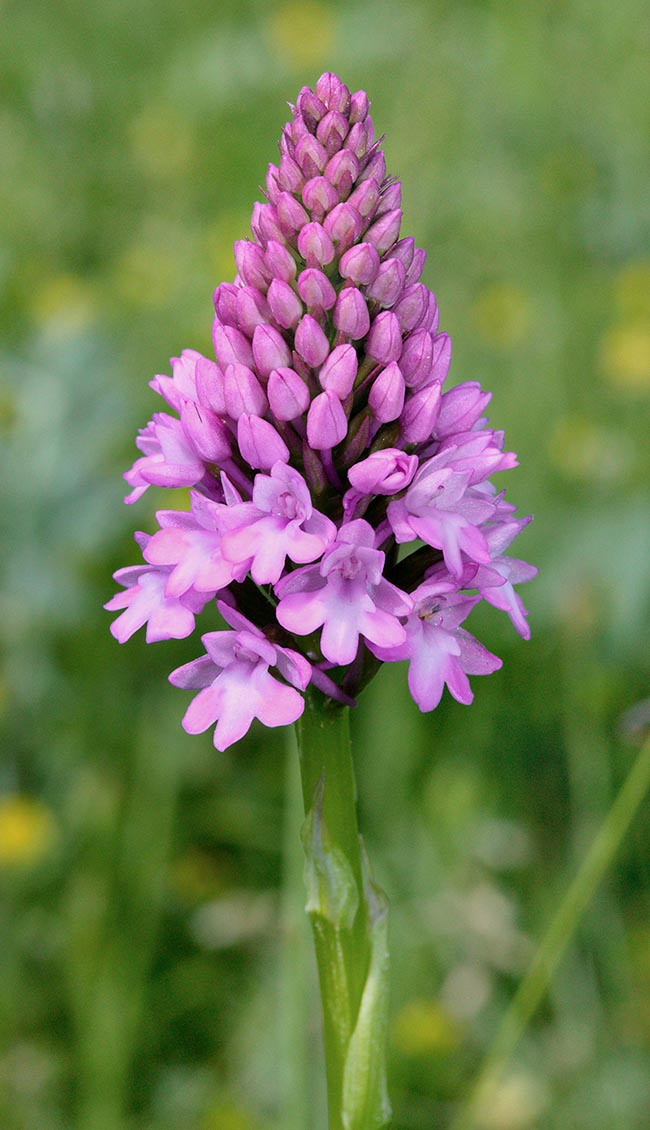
(317, 443)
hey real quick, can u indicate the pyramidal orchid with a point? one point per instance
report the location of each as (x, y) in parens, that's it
(341, 514)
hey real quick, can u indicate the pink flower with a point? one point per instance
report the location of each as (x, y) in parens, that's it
(235, 684)
(346, 595)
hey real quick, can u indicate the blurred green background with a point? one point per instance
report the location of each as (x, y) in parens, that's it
(143, 970)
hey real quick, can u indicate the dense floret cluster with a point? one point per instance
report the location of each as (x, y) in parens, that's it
(317, 443)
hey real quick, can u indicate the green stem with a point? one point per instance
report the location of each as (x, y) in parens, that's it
(348, 917)
(533, 987)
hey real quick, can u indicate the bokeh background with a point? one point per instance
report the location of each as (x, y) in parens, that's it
(144, 979)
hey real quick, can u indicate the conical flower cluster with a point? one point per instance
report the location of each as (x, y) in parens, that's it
(317, 444)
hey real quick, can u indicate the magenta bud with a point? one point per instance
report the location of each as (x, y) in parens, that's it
(383, 472)
(315, 245)
(311, 342)
(279, 262)
(360, 264)
(441, 358)
(375, 168)
(288, 394)
(417, 355)
(351, 315)
(319, 196)
(291, 214)
(359, 139)
(259, 443)
(385, 230)
(386, 397)
(344, 225)
(327, 423)
(417, 266)
(209, 386)
(225, 303)
(365, 198)
(389, 283)
(403, 250)
(334, 93)
(460, 407)
(420, 414)
(270, 350)
(251, 267)
(342, 170)
(311, 155)
(290, 178)
(243, 392)
(310, 107)
(384, 342)
(231, 346)
(264, 223)
(332, 131)
(359, 106)
(206, 432)
(432, 317)
(390, 199)
(412, 307)
(315, 289)
(284, 303)
(252, 309)
(339, 371)
(273, 187)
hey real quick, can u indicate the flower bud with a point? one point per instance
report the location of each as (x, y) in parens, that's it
(342, 170)
(351, 315)
(230, 346)
(375, 168)
(360, 264)
(311, 155)
(210, 387)
(319, 196)
(252, 309)
(339, 371)
(316, 290)
(358, 139)
(412, 307)
(290, 178)
(386, 397)
(291, 215)
(264, 223)
(259, 443)
(334, 93)
(270, 350)
(441, 358)
(384, 472)
(460, 408)
(420, 414)
(417, 266)
(280, 262)
(359, 106)
(288, 394)
(327, 423)
(344, 225)
(384, 342)
(385, 230)
(251, 267)
(315, 245)
(225, 303)
(417, 355)
(390, 199)
(284, 304)
(310, 107)
(311, 342)
(365, 199)
(243, 392)
(389, 283)
(332, 131)
(206, 432)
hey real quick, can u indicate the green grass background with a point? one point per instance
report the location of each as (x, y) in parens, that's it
(142, 921)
